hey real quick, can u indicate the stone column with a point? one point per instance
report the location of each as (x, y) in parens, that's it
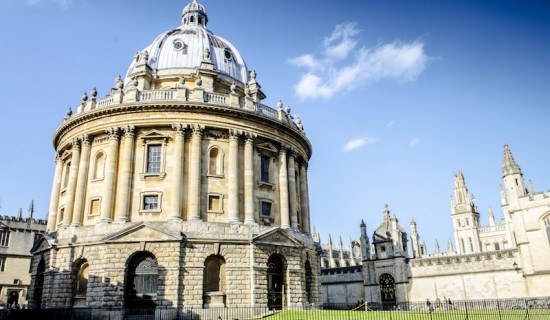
(71, 186)
(110, 174)
(54, 197)
(304, 197)
(292, 191)
(80, 196)
(124, 186)
(176, 200)
(283, 188)
(249, 180)
(195, 175)
(232, 177)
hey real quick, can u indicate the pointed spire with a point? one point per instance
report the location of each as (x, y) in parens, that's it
(509, 165)
(450, 248)
(503, 200)
(437, 251)
(386, 212)
(31, 210)
(491, 217)
(531, 187)
(20, 214)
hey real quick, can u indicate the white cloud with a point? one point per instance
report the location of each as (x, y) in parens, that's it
(359, 142)
(413, 142)
(63, 4)
(336, 72)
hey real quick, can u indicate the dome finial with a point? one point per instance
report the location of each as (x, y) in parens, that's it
(194, 14)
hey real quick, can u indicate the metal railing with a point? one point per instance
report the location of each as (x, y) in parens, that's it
(440, 309)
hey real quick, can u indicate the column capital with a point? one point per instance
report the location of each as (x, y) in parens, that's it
(179, 128)
(303, 163)
(249, 136)
(85, 139)
(76, 144)
(197, 129)
(113, 133)
(284, 149)
(129, 131)
(234, 134)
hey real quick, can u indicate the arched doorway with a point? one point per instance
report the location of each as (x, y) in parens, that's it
(387, 290)
(275, 282)
(309, 282)
(141, 284)
(214, 282)
(13, 297)
(39, 283)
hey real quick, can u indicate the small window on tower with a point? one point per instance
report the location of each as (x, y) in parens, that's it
(227, 54)
(265, 209)
(151, 202)
(214, 203)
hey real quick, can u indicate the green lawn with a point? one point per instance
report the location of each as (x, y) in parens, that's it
(538, 314)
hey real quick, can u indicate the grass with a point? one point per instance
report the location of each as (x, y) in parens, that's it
(535, 314)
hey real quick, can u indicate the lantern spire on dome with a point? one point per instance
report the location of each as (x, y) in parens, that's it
(194, 14)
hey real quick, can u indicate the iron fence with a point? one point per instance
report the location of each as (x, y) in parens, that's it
(439, 309)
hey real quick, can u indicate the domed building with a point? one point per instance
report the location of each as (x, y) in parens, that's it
(179, 188)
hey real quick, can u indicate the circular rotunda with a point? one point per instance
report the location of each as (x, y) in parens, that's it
(178, 189)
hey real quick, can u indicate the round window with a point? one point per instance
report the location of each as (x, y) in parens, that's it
(178, 44)
(227, 54)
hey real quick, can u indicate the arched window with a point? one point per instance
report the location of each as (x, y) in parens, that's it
(141, 284)
(275, 282)
(99, 166)
(309, 282)
(547, 225)
(214, 281)
(215, 162)
(462, 247)
(192, 19)
(387, 290)
(39, 284)
(81, 283)
(471, 244)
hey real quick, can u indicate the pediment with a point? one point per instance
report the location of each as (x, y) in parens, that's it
(267, 146)
(142, 232)
(44, 242)
(154, 135)
(277, 236)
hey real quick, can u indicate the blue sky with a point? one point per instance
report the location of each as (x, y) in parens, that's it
(394, 95)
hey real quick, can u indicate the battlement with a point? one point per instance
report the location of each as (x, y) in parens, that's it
(341, 270)
(10, 219)
(492, 260)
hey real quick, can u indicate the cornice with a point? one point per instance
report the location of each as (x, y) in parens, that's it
(186, 107)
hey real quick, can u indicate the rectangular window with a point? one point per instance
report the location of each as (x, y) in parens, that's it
(4, 238)
(264, 174)
(153, 158)
(61, 214)
(266, 209)
(150, 202)
(214, 203)
(2, 263)
(94, 207)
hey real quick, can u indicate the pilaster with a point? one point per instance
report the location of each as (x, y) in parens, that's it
(80, 194)
(283, 188)
(292, 190)
(195, 173)
(110, 174)
(54, 197)
(249, 179)
(304, 198)
(71, 186)
(124, 186)
(177, 179)
(233, 181)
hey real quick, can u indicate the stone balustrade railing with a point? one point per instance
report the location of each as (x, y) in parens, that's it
(492, 228)
(118, 97)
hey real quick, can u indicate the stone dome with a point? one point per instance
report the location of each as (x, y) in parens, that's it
(181, 50)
